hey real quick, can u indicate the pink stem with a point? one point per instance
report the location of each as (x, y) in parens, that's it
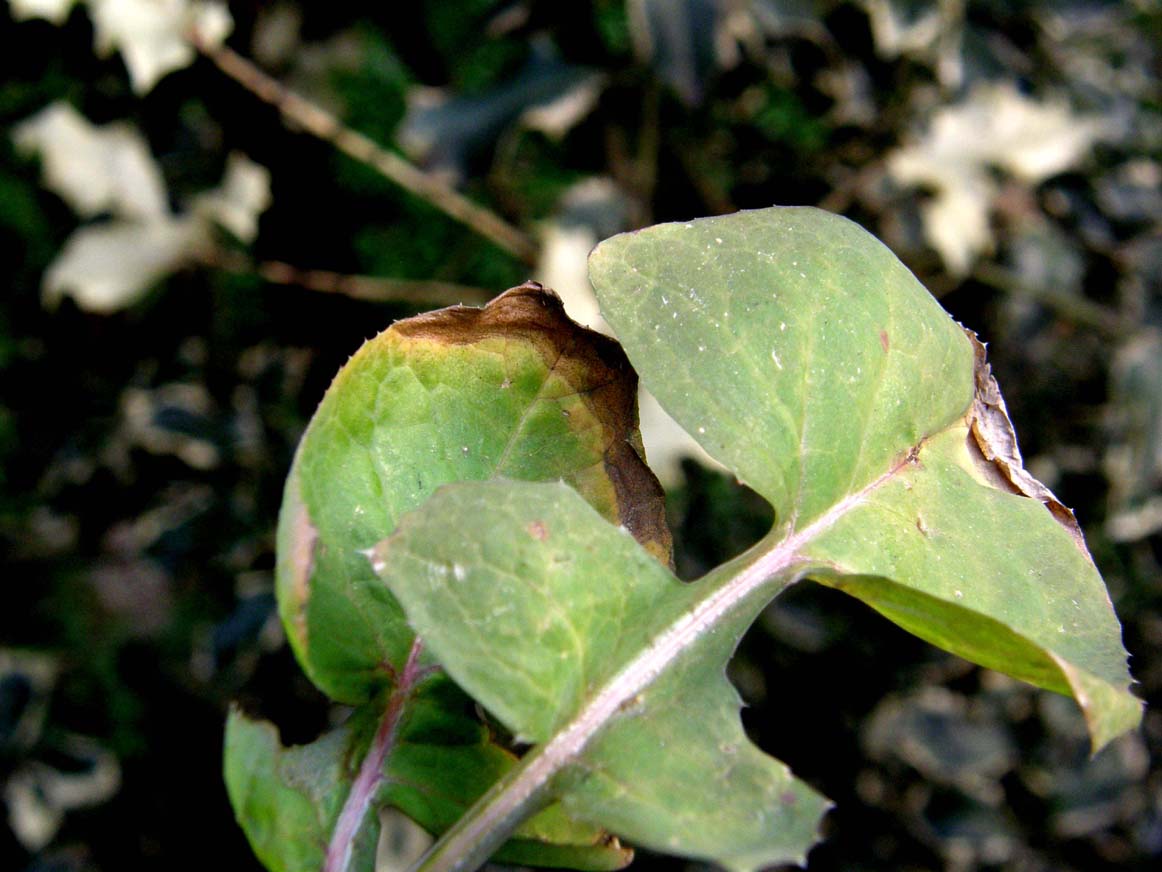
(367, 782)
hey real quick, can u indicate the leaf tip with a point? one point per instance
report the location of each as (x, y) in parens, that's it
(1109, 711)
(375, 557)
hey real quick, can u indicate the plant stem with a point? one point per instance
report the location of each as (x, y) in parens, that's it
(1068, 306)
(359, 287)
(317, 121)
(518, 794)
(370, 776)
(525, 788)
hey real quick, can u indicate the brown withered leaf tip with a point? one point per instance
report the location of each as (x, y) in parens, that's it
(993, 436)
(595, 366)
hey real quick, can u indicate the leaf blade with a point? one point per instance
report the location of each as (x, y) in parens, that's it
(986, 574)
(760, 331)
(287, 802)
(513, 389)
(731, 288)
(290, 799)
(605, 676)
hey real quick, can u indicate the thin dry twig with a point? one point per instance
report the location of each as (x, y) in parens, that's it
(318, 122)
(372, 288)
(1072, 308)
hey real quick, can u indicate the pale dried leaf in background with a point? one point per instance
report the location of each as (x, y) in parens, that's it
(152, 34)
(108, 266)
(931, 32)
(995, 127)
(38, 795)
(112, 264)
(55, 11)
(94, 169)
(236, 203)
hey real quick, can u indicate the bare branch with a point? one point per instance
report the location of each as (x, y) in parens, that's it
(374, 288)
(318, 122)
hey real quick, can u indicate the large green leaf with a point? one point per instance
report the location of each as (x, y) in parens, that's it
(515, 390)
(557, 621)
(791, 344)
(807, 359)
(834, 384)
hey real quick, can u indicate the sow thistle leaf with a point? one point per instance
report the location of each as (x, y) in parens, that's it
(555, 621)
(802, 355)
(516, 390)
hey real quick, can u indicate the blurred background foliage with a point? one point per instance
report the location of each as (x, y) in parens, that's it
(1008, 152)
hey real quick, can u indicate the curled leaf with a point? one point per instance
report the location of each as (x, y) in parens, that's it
(994, 436)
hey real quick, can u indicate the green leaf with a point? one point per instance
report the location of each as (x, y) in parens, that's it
(287, 800)
(802, 354)
(807, 359)
(515, 390)
(791, 344)
(555, 621)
